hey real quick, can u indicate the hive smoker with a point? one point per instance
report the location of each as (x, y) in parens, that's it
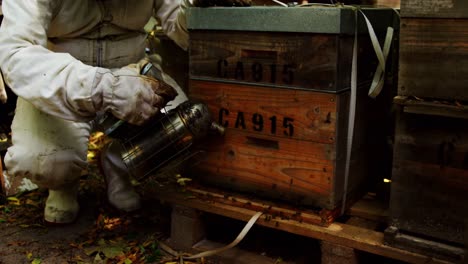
(168, 138)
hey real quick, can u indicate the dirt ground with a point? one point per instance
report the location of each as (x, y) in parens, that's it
(102, 234)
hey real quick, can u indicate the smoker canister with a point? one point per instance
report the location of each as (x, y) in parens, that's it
(167, 138)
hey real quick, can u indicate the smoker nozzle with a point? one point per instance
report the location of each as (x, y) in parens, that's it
(217, 129)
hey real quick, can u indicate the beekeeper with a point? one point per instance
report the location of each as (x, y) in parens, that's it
(67, 60)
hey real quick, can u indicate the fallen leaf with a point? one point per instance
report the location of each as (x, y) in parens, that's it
(98, 259)
(147, 243)
(90, 251)
(76, 245)
(13, 201)
(36, 261)
(91, 155)
(18, 243)
(182, 181)
(112, 251)
(31, 202)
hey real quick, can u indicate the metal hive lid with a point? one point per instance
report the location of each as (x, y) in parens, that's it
(312, 19)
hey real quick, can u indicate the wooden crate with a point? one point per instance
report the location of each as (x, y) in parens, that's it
(434, 8)
(434, 58)
(283, 94)
(282, 143)
(428, 194)
(433, 50)
(306, 48)
(430, 175)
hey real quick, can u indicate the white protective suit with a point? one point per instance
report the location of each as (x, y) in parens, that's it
(67, 60)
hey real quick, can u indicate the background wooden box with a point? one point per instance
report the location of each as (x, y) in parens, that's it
(434, 50)
(434, 8)
(280, 82)
(429, 205)
(430, 174)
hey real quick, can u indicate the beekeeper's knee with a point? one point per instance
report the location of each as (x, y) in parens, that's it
(51, 169)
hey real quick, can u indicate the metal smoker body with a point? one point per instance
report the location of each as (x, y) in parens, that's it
(166, 138)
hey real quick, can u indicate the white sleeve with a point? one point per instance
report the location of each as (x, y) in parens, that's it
(172, 15)
(55, 83)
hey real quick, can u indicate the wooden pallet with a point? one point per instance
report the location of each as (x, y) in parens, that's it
(298, 222)
(416, 243)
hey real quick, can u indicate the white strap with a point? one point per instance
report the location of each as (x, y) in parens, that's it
(379, 75)
(233, 243)
(351, 116)
(280, 3)
(375, 89)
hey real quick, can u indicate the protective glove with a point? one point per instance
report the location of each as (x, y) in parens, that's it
(163, 89)
(208, 3)
(157, 72)
(127, 94)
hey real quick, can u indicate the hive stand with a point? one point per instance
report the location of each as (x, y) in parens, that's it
(339, 241)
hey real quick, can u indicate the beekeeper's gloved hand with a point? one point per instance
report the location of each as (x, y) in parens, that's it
(127, 94)
(163, 89)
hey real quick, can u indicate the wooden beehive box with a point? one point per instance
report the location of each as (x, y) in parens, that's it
(430, 177)
(428, 205)
(279, 80)
(433, 49)
(429, 202)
